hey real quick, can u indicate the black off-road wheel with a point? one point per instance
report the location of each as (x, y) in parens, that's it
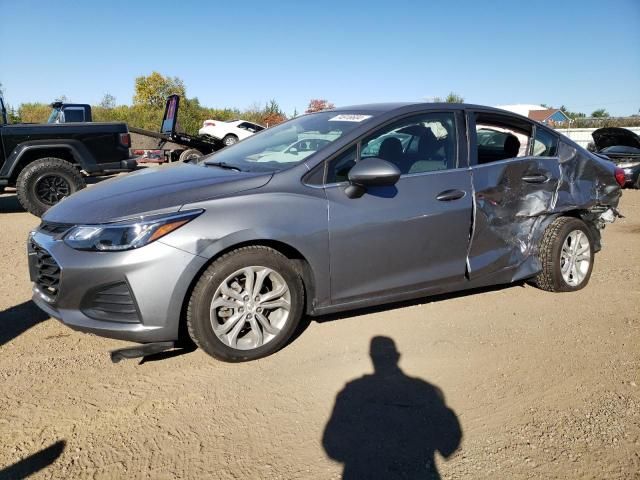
(246, 305)
(229, 140)
(567, 255)
(46, 181)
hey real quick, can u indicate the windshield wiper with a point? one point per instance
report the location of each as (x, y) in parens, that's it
(224, 165)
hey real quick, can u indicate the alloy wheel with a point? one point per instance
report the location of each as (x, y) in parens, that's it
(575, 257)
(250, 307)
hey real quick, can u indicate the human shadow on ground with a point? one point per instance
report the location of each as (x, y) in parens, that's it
(33, 463)
(388, 425)
(16, 320)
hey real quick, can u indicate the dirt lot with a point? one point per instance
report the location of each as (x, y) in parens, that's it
(541, 385)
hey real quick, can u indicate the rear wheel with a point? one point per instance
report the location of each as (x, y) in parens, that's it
(45, 182)
(246, 305)
(230, 140)
(190, 155)
(566, 254)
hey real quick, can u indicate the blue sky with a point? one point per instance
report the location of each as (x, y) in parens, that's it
(581, 53)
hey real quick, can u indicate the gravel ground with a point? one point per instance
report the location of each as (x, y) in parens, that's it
(502, 383)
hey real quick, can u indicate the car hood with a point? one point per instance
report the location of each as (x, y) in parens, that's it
(151, 190)
(610, 136)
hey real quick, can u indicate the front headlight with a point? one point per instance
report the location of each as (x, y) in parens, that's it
(126, 235)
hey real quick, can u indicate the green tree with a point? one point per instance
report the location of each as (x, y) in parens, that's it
(451, 98)
(108, 101)
(34, 112)
(600, 113)
(154, 89)
(570, 114)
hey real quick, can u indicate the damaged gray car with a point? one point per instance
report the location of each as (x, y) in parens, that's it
(386, 202)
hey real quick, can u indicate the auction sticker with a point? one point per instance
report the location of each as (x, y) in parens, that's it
(349, 118)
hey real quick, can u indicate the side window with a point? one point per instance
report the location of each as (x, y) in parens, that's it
(423, 143)
(73, 114)
(340, 166)
(419, 144)
(256, 128)
(497, 139)
(545, 144)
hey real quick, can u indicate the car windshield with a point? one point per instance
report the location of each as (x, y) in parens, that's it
(54, 115)
(288, 144)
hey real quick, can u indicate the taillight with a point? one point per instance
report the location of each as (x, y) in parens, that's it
(619, 174)
(209, 123)
(125, 139)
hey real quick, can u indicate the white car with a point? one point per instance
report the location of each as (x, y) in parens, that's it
(229, 132)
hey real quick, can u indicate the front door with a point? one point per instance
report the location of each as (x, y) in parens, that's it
(411, 236)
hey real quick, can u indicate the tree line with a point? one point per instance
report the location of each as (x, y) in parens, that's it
(151, 91)
(147, 108)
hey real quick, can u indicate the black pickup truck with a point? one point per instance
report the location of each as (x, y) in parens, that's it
(47, 162)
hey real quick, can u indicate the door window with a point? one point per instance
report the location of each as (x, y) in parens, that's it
(545, 145)
(419, 144)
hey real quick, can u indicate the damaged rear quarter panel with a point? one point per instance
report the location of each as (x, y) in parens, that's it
(511, 214)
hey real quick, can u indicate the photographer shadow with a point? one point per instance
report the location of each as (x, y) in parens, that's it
(388, 425)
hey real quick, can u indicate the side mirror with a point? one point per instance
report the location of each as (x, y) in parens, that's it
(371, 172)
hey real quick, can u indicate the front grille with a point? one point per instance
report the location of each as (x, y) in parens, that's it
(47, 271)
(112, 303)
(54, 229)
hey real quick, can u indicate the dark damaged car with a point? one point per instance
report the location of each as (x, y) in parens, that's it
(327, 212)
(622, 147)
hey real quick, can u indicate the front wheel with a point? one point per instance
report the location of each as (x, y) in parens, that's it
(246, 305)
(566, 254)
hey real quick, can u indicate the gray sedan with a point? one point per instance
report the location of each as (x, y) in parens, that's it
(401, 201)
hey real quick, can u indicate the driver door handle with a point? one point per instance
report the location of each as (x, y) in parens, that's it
(536, 178)
(449, 195)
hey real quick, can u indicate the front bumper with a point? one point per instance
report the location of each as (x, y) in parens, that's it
(90, 287)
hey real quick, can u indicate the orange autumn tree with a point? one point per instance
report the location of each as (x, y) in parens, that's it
(318, 104)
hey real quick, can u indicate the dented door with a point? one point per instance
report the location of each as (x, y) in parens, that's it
(510, 198)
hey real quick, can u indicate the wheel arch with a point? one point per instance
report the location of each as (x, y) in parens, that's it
(26, 153)
(300, 262)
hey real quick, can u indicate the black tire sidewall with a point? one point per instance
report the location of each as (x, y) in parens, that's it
(560, 283)
(185, 156)
(35, 171)
(199, 321)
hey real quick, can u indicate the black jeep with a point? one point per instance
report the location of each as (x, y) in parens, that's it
(47, 162)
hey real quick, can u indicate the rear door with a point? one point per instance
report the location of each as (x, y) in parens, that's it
(413, 235)
(514, 188)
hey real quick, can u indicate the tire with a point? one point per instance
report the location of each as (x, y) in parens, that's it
(565, 238)
(229, 140)
(246, 338)
(33, 179)
(189, 155)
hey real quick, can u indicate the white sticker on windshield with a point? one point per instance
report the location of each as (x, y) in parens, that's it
(349, 118)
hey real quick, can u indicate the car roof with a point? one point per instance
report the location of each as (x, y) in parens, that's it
(388, 107)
